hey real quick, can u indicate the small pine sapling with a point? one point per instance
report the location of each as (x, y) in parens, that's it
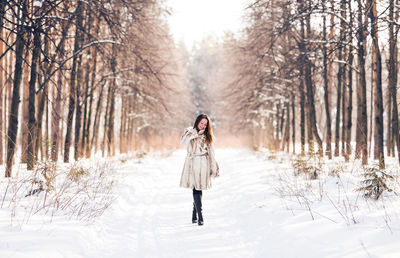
(375, 183)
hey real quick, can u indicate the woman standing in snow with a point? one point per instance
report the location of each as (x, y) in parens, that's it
(200, 164)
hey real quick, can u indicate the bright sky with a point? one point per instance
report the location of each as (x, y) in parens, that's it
(192, 20)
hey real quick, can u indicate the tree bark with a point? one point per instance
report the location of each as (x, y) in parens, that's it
(3, 85)
(2, 14)
(378, 107)
(277, 138)
(38, 134)
(97, 119)
(340, 76)
(105, 135)
(302, 112)
(287, 130)
(310, 89)
(122, 129)
(13, 118)
(32, 95)
(293, 124)
(71, 105)
(328, 150)
(78, 110)
(56, 112)
(23, 137)
(362, 118)
(393, 51)
(350, 88)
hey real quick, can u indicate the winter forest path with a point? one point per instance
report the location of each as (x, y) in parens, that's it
(244, 217)
(156, 214)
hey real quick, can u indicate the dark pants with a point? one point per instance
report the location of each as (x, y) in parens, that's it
(197, 192)
(197, 206)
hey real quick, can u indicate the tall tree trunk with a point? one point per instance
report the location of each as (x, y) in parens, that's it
(71, 105)
(310, 139)
(92, 88)
(344, 107)
(122, 129)
(287, 130)
(3, 85)
(89, 119)
(85, 103)
(393, 79)
(96, 121)
(378, 139)
(85, 98)
(38, 133)
(357, 153)
(328, 150)
(302, 77)
(3, 79)
(281, 122)
(23, 138)
(340, 73)
(2, 14)
(78, 110)
(55, 117)
(345, 67)
(46, 146)
(389, 143)
(13, 119)
(302, 111)
(105, 135)
(362, 118)
(293, 124)
(32, 95)
(110, 131)
(349, 107)
(277, 138)
(310, 88)
(350, 87)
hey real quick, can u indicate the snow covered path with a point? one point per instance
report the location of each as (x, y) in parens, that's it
(244, 217)
(157, 213)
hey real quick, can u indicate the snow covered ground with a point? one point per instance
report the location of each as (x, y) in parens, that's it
(257, 208)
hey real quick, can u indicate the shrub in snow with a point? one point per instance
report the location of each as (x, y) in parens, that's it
(309, 165)
(43, 178)
(76, 173)
(123, 158)
(375, 182)
(83, 190)
(336, 171)
(140, 154)
(272, 155)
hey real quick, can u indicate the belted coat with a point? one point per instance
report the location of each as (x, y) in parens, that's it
(200, 164)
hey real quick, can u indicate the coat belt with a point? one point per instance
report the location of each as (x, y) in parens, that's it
(192, 155)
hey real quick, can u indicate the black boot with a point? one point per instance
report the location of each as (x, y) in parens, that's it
(194, 214)
(197, 201)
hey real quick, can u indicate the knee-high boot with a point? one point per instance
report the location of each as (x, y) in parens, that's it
(194, 214)
(197, 201)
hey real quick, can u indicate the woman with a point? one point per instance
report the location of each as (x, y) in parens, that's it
(200, 164)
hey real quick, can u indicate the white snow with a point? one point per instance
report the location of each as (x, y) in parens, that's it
(257, 208)
(37, 3)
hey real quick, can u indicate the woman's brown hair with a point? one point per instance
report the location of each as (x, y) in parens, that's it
(208, 131)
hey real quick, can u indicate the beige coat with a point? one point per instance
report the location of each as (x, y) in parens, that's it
(200, 164)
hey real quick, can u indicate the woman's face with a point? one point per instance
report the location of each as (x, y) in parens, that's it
(202, 124)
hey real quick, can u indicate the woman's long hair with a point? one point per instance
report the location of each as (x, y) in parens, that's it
(208, 131)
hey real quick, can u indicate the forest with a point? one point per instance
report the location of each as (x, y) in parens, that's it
(319, 74)
(79, 77)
